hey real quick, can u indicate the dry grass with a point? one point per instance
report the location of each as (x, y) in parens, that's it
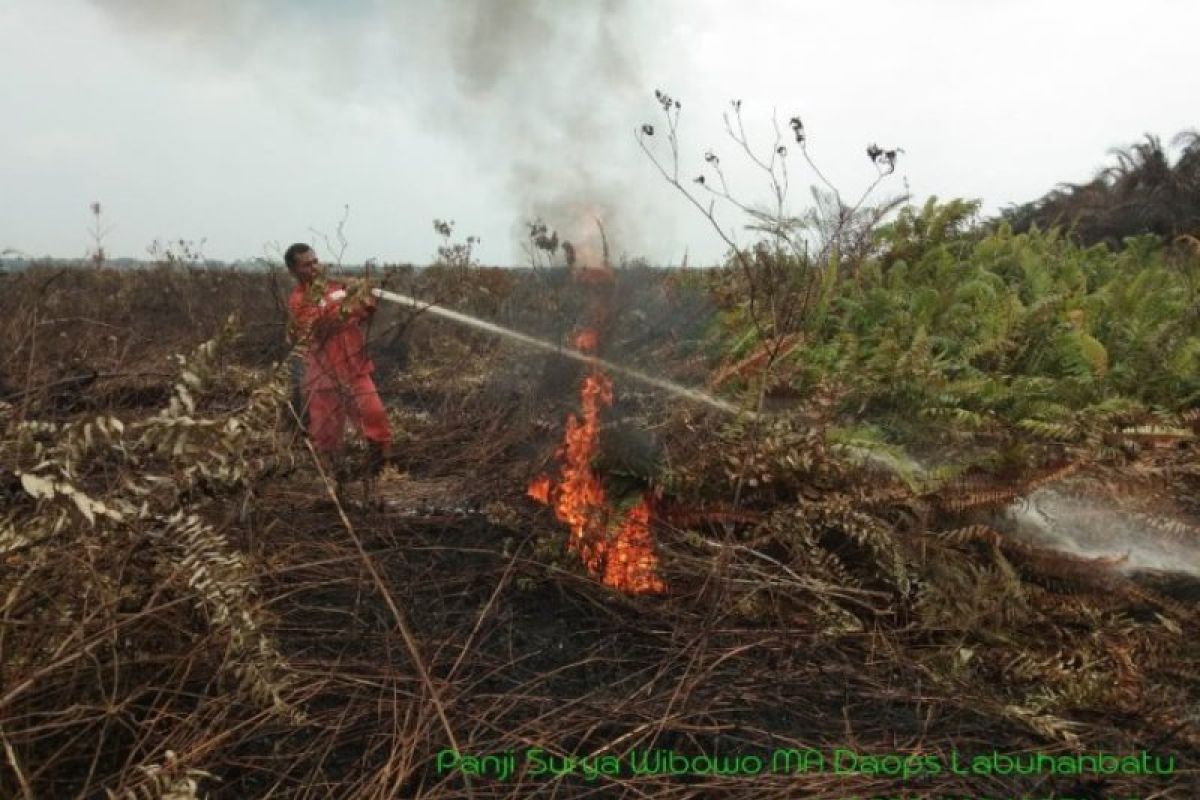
(830, 607)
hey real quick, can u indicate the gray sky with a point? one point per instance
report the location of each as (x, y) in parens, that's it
(246, 122)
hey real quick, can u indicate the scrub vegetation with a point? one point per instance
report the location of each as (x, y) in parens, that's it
(188, 608)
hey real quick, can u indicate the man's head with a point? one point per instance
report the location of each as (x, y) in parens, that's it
(302, 262)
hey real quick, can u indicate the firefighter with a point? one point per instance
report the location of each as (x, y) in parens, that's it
(325, 318)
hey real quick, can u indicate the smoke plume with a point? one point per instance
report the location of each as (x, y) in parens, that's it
(544, 92)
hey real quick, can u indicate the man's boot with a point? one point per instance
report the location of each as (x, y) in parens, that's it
(335, 468)
(379, 455)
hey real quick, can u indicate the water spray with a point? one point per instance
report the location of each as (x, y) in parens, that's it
(479, 324)
(1056, 524)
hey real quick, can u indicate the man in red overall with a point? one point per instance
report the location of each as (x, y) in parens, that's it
(337, 371)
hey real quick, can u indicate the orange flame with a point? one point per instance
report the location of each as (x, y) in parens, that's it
(586, 340)
(539, 489)
(627, 562)
(580, 493)
(593, 275)
(632, 565)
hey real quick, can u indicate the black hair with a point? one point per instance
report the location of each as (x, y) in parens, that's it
(289, 255)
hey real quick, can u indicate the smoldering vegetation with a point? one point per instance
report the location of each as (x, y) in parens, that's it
(188, 610)
(959, 514)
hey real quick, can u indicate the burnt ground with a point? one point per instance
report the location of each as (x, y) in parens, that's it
(453, 617)
(525, 651)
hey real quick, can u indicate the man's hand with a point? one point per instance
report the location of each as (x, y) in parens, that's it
(333, 297)
(360, 297)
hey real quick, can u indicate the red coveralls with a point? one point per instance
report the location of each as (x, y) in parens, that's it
(337, 371)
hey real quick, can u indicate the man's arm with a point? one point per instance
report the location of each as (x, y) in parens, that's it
(323, 318)
(356, 303)
(314, 319)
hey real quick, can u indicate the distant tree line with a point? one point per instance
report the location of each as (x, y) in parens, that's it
(1143, 192)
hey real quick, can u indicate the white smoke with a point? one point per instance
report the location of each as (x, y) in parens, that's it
(1095, 528)
(545, 92)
